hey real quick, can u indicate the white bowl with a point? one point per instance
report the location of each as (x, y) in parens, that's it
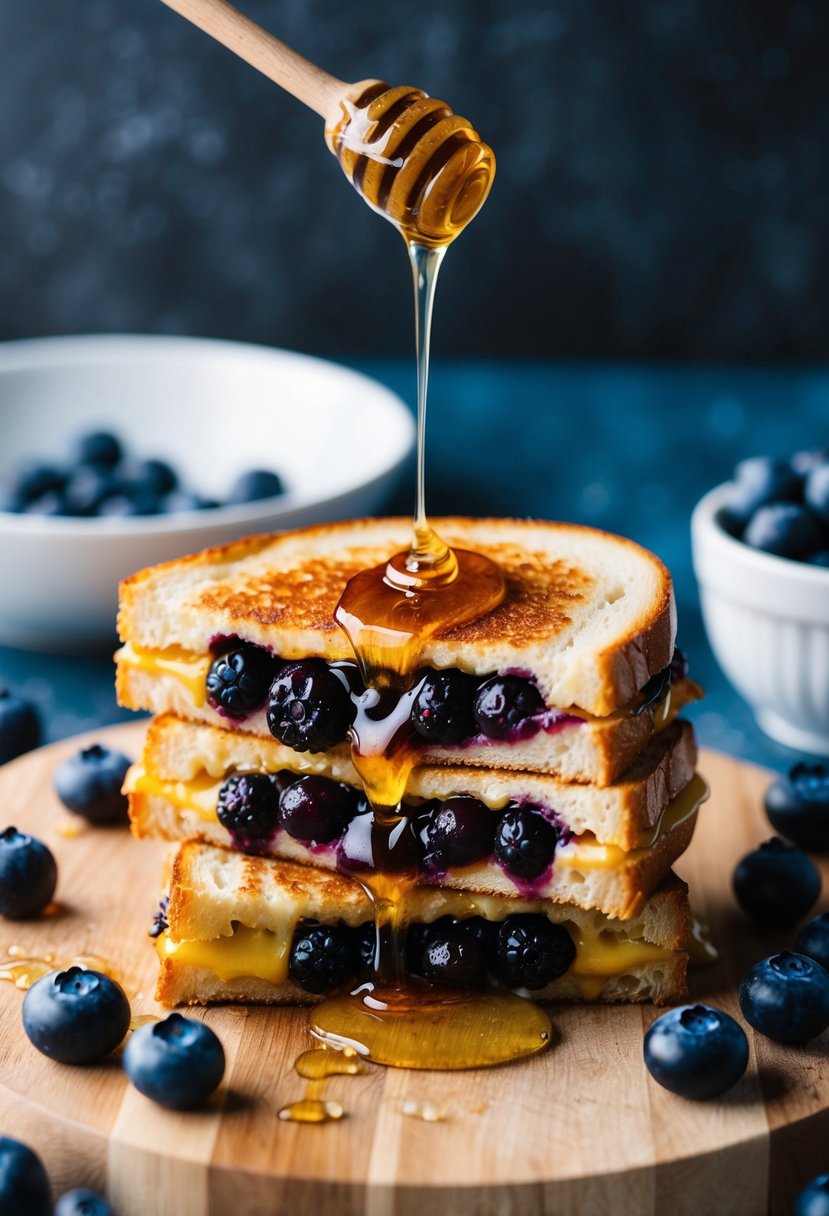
(214, 409)
(767, 619)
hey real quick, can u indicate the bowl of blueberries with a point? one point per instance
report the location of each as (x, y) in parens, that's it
(761, 558)
(123, 451)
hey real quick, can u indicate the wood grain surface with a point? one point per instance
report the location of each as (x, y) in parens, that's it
(580, 1129)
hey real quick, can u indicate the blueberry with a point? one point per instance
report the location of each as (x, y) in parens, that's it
(786, 997)
(532, 951)
(504, 702)
(813, 939)
(128, 499)
(76, 1016)
(777, 884)
(316, 809)
(454, 955)
(814, 1199)
(178, 1063)
(798, 806)
(33, 479)
(24, 1185)
(442, 709)
(82, 1202)
(757, 482)
(51, 504)
(248, 807)
(820, 558)
(816, 492)
(97, 447)
(322, 956)
(365, 945)
(255, 484)
(19, 725)
(418, 936)
(784, 528)
(525, 841)
(28, 875)
(393, 847)
(157, 476)
(183, 500)
(309, 708)
(457, 833)
(89, 784)
(239, 679)
(696, 1051)
(88, 486)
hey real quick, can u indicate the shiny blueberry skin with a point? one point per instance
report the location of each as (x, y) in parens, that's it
(19, 725)
(532, 951)
(785, 529)
(442, 709)
(786, 997)
(322, 956)
(309, 707)
(76, 1016)
(24, 1185)
(757, 482)
(814, 1199)
(248, 807)
(255, 484)
(798, 806)
(777, 884)
(816, 492)
(28, 875)
(316, 809)
(525, 841)
(813, 939)
(458, 832)
(177, 1063)
(238, 681)
(504, 702)
(89, 784)
(696, 1051)
(454, 954)
(97, 447)
(82, 1202)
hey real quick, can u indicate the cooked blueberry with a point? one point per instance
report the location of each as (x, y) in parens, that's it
(19, 725)
(757, 482)
(86, 489)
(504, 702)
(317, 809)
(786, 997)
(798, 806)
(157, 476)
(239, 679)
(418, 936)
(696, 1051)
(82, 1202)
(178, 1063)
(816, 492)
(97, 447)
(532, 951)
(365, 945)
(159, 923)
(486, 932)
(813, 1200)
(813, 939)
(76, 1016)
(777, 884)
(457, 833)
(525, 841)
(784, 528)
(454, 955)
(442, 709)
(249, 808)
(322, 956)
(28, 875)
(309, 708)
(32, 480)
(89, 784)
(255, 484)
(24, 1184)
(392, 846)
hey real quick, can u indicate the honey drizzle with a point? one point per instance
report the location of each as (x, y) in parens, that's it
(26, 970)
(316, 1066)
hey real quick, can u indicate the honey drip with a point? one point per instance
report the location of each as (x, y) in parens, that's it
(316, 1067)
(23, 970)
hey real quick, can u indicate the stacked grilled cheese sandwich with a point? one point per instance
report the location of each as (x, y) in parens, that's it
(554, 780)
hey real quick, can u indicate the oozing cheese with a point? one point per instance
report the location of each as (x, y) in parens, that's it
(188, 668)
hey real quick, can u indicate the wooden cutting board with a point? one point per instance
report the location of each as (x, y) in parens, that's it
(580, 1129)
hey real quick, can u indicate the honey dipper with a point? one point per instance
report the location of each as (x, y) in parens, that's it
(413, 160)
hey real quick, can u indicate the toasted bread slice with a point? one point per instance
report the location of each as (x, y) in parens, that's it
(231, 920)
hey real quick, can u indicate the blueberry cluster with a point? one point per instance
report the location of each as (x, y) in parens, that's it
(524, 951)
(100, 478)
(782, 506)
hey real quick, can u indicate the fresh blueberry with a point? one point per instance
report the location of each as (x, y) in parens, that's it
(97, 447)
(525, 841)
(504, 702)
(82, 1202)
(129, 499)
(178, 1063)
(777, 884)
(249, 808)
(88, 486)
(89, 784)
(316, 809)
(532, 951)
(786, 997)
(32, 480)
(813, 939)
(454, 955)
(19, 725)
(157, 476)
(183, 500)
(442, 709)
(309, 707)
(76, 1016)
(239, 679)
(24, 1185)
(256, 484)
(814, 1199)
(798, 806)
(457, 833)
(52, 504)
(28, 875)
(820, 558)
(322, 956)
(816, 492)
(696, 1051)
(784, 528)
(757, 482)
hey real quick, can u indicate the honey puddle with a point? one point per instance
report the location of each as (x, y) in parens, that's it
(316, 1066)
(23, 971)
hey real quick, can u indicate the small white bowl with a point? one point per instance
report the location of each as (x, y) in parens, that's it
(767, 619)
(213, 409)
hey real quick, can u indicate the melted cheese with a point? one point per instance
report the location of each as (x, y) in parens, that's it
(200, 794)
(188, 668)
